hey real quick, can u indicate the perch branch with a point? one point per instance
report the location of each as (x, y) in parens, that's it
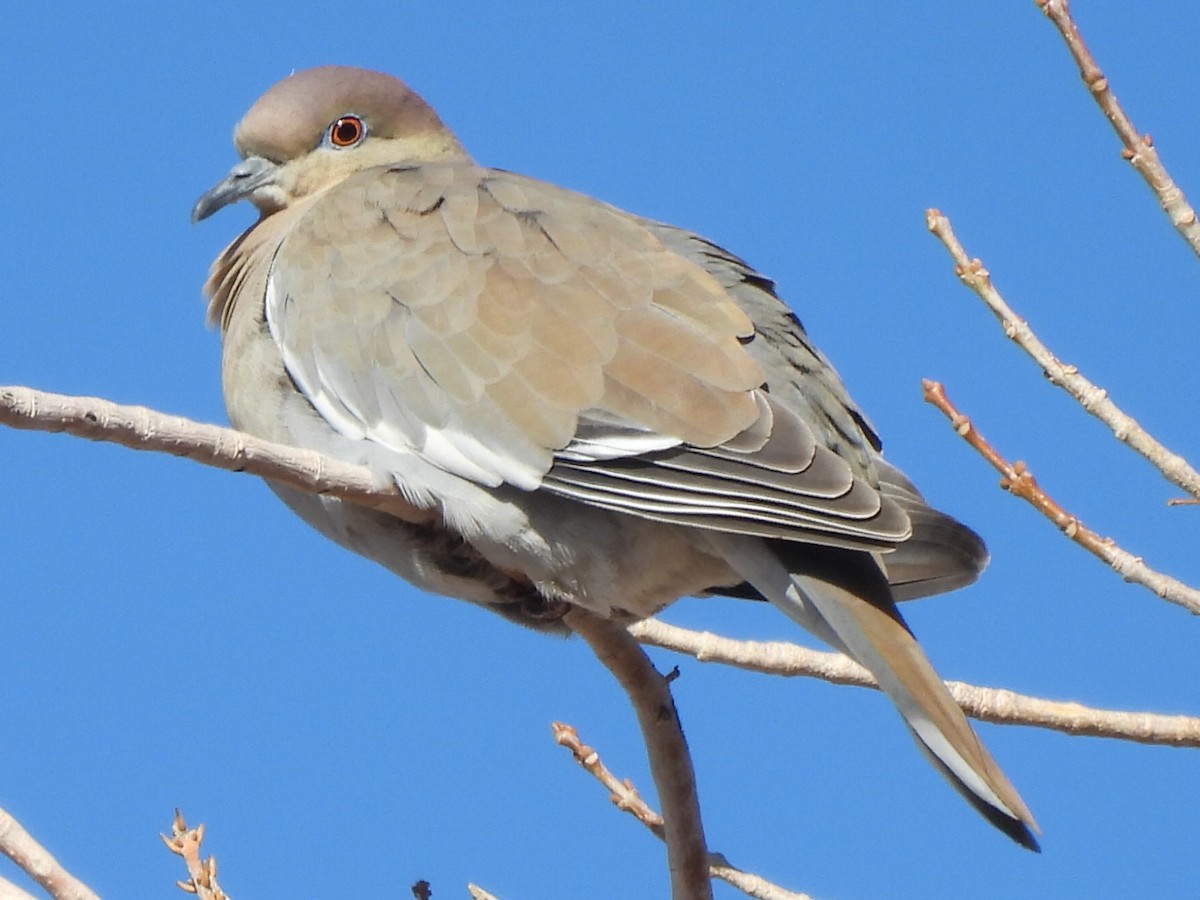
(670, 760)
(139, 428)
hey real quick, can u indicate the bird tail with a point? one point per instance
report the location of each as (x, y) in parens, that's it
(843, 597)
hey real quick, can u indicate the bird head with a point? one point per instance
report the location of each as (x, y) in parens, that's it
(318, 127)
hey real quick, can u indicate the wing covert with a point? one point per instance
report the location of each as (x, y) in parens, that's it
(473, 317)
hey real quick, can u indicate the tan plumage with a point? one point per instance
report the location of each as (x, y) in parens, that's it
(580, 406)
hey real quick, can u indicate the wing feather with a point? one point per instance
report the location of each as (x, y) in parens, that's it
(509, 331)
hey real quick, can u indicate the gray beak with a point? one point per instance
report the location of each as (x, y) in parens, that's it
(243, 180)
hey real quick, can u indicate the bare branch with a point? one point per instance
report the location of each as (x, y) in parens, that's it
(139, 428)
(1019, 481)
(670, 761)
(9, 891)
(1092, 398)
(1138, 148)
(748, 883)
(202, 873)
(983, 703)
(625, 796)
(36, 861)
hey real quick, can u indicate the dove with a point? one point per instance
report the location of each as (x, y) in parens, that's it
(580, 407)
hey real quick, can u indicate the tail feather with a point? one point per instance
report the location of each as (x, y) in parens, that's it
(1021, 830)
(843, 597)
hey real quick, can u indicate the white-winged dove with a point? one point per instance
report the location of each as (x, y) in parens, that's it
(579, 405)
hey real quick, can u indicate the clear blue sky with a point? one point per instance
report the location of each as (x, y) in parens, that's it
(172, 636)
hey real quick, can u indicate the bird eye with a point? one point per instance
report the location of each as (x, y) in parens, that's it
(347, 131)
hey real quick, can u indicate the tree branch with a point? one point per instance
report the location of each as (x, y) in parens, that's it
(625, 797)
(986, 704)
(1092, 398)
(185, 843)
(1138, 148)
(670, 761)
(37, 862)
(9, 891)
(139, 428)
(1019, 481)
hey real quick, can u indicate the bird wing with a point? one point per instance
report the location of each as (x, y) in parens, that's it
(509, 331)
(941, 554)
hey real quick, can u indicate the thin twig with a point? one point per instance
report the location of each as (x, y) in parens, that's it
(623, 794)
(625, 797)
(1138, 148)
(38, 863)
(1092, 398)
(670, 760)
(1019, 481)
(202, 873)
(986, 704)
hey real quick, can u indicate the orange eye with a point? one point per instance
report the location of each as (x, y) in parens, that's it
(347, 131)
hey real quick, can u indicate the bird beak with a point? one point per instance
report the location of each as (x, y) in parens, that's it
(243, 180)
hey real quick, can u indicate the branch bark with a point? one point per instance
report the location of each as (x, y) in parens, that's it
(670, 761)
(1138, 148)
(9, 891)
(986, 704)
(38, 863)
(625, 797)
(139, 428)
(185, 843)
(1019, 481)
(1091, 397)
